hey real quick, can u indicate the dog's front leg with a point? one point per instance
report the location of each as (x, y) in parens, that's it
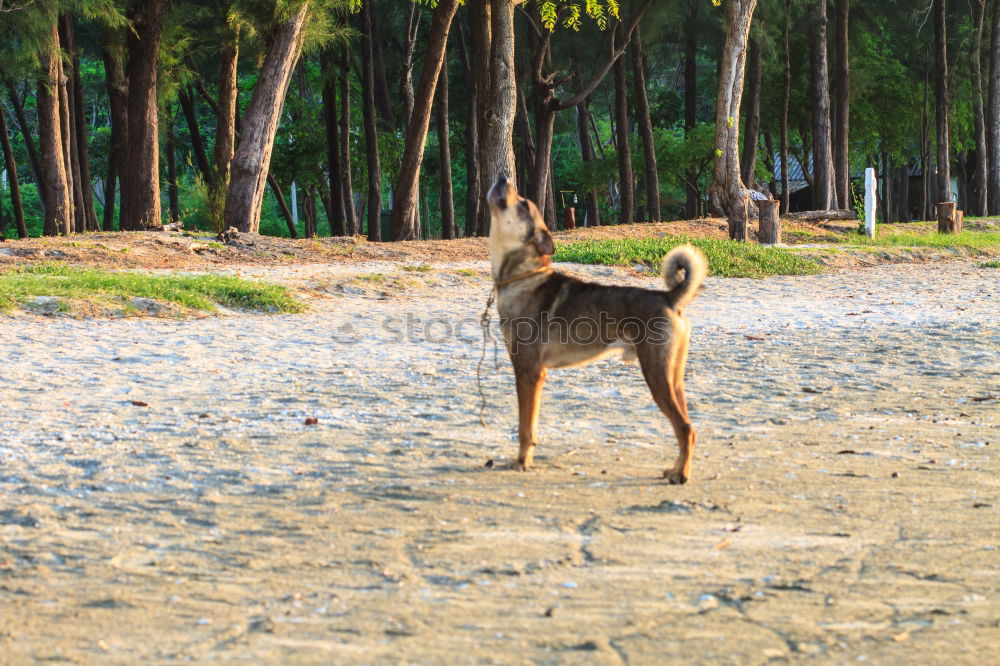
(529, 380)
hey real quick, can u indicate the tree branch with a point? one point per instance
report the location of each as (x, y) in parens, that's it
(616, 52)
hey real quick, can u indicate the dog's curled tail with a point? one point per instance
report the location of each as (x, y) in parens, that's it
(683, 287)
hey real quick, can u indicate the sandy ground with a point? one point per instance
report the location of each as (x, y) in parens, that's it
(843, 507)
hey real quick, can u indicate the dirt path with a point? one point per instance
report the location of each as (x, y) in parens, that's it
(843, 507)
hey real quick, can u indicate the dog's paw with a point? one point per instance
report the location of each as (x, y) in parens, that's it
(675, 477)
(519, 466)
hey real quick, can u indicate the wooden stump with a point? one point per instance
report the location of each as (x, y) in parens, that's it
(959, 221)
(569, 218)
(738, 225)
(769, 231)
(947, 217)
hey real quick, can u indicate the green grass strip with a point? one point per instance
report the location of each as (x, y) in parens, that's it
(726, 258)
(197, 292)
(968, 240)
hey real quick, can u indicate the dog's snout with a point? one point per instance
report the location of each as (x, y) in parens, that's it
(499, 193)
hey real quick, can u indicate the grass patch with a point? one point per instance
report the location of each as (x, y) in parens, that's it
(726, 258)
(420, 268)
(968, 240)
(196, 292)
(990, 264)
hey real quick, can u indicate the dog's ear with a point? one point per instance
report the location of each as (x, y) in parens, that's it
(543, 242)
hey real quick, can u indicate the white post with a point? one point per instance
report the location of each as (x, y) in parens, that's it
(295, 204)
(870, 185)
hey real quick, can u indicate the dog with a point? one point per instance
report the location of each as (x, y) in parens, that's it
(551, 320)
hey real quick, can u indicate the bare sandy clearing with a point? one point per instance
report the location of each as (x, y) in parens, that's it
(844, 503)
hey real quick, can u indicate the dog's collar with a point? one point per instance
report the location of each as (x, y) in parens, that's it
(521, 276)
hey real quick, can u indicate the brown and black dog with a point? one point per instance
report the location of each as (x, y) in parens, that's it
(551, 320)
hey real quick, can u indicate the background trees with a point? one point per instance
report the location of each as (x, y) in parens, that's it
(303, 117)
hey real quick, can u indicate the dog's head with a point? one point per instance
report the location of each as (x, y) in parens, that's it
(515, 224)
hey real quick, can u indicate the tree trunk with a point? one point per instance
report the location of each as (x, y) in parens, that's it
(444, 142)
(404, 210)
(499, 104)
(140, 207)
(81, 155)
(15, 186)
(645, 130)
(842, 105)
(335, 212)
(117, 86)
(225, 128)
(903, 193)
(252, 159)
(626, 189)
(947, 216)
(755, 72)
(978, 201)
(345, 144)
(588, 155)
(58, 209)
(824, 197)
(942, 104)
(34, 162)
(286, 212)
(473, 196)
(692, 206)
(727, 195)
(409, 46)
(371, 130)
(386, 115)
(170, 149)
(69, 148)
(187, 102)
(993, 115)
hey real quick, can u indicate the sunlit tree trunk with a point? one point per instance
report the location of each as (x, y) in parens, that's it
(404, 210)
(141, 173)
(58, 209)
(727, 195)
(251, 161)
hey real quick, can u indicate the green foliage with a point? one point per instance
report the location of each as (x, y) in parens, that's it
(197, 292)
(568, 14)
(726, 258)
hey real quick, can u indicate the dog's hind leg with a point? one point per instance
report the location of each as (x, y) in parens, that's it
(683, 340)
(659, 368)
(529, 397)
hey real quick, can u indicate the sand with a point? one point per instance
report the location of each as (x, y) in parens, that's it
(843, 506)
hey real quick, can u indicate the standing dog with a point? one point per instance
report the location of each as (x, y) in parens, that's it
(551, 320)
